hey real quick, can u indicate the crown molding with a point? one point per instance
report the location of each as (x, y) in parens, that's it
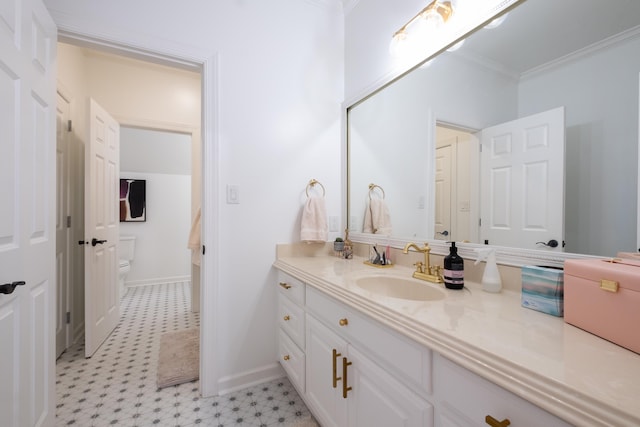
(584, 52)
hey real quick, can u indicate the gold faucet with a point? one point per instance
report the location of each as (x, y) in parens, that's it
(424, 271)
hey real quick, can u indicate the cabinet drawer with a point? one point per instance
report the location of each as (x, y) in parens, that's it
(291, 287)
(291, 320)
(408, 360)
(466, 399)
(292, 360)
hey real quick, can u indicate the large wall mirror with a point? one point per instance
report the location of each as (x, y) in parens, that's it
(525, 134)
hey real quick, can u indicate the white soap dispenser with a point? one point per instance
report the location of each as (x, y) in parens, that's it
(491, 280)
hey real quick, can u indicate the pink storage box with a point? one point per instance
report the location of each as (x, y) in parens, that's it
(603, 297)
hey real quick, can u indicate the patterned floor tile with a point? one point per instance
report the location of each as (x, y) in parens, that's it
(117, 385)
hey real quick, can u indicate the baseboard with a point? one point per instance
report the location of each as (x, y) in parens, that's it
(157, 281)
(250, 378)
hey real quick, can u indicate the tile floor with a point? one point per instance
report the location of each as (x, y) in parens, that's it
(117, 386)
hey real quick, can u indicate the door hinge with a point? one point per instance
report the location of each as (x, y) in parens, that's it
(69, 221)
(69, 127)
(68, 317)
(479, 222)
(204, 250)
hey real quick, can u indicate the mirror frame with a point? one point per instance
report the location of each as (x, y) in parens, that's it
(515, 257)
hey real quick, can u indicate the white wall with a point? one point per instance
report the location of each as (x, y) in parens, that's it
(279, 96)
(163, 159)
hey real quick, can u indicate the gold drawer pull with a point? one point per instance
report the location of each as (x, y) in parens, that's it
(336, 378)
(285, 285)
(609, 286)
(286, 318)
(343, 322)
(346, 389)
(495, 423)
(286, 357)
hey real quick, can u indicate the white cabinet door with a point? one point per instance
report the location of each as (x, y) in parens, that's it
(465, 400)
(377, 399)
(324, 354)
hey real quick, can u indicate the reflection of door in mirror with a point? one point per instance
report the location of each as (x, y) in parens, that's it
(454, 209)
(522, 177)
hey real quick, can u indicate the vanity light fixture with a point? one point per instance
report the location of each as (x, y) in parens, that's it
(434, 15)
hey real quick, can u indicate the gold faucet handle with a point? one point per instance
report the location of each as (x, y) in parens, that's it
(419, 266)
(436, 270)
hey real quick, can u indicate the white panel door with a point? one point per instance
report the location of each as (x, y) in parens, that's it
(522, 177)
(63, 231)
(27, 228)
(102, 223)
(443, 193)
(377, 398)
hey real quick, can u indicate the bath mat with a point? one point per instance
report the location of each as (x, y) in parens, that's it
(306, 422)
(179, 358)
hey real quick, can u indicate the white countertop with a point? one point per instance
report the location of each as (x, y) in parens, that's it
(571, 373)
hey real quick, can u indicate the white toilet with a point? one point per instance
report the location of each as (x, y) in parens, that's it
(126, 250)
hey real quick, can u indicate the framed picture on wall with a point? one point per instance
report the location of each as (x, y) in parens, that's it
(133, 196)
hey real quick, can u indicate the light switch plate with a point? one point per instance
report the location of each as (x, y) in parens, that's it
(233, 194)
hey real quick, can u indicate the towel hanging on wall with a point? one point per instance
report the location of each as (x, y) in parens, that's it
(377, 219)
(314, 227)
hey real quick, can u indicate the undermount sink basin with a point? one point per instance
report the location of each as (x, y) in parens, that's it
(399, 287)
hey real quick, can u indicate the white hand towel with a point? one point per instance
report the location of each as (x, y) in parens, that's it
(377, 219)
(194, 239)
(314, 226)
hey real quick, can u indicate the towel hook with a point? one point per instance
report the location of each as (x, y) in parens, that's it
(311, 184)
(372, 187)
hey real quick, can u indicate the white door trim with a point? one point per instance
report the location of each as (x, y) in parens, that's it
(89, 34)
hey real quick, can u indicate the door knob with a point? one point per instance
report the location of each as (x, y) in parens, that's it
(444, 233)
(551, 243)
(8, 288)
(95, 242)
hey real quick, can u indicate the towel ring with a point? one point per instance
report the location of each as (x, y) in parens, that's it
(311, 184)
(372, 187)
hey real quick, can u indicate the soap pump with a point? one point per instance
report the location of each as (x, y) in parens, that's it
(491, 281)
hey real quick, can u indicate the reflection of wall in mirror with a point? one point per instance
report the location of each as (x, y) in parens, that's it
(391, 132)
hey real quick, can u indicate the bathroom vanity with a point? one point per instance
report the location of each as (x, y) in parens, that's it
(435, 357)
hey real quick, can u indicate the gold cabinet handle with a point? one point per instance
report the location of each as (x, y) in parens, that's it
(495, 423)
(286, 357)
(345, 389)
(286, 318)
(343, 322)
(335, 378)
(285, 285)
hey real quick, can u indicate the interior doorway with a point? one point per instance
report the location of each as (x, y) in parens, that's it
(455, 175)
(135, 111)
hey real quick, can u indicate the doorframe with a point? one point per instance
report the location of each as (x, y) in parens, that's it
(208, 63)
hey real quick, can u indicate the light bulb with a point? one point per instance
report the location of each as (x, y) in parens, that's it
(496, 22)
(456, 46)
(433, 19)
(398, 44)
